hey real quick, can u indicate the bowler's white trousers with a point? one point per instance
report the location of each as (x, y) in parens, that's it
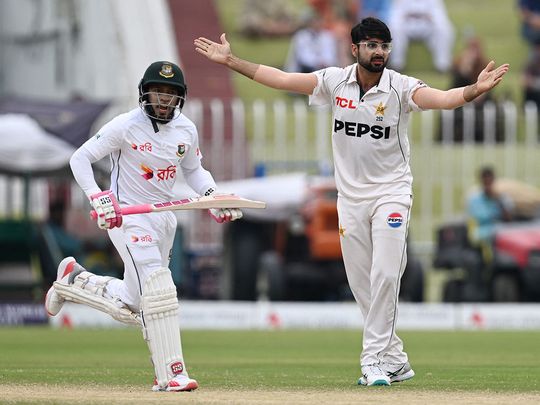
(374, 247)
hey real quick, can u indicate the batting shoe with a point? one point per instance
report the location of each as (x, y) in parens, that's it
(373, 375)
(398, 372)
(53, 302)
(179, 383)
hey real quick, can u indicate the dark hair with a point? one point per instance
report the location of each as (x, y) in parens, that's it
(368, 28)
(487, 171)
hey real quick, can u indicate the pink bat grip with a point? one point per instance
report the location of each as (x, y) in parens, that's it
(133, 209)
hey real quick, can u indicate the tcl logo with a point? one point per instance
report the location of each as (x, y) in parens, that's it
(345, 103)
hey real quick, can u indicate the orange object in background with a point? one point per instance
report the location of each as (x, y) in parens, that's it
(321, 218)
(322, 230)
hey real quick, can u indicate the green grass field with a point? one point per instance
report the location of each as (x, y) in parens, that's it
(50, 361)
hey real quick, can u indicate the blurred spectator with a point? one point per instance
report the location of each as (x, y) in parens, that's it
(531, 77)
(486, 208)
(466, 67)
(529, 13)
(334, 12)
(468, 64)
(264, 18)
(337, 16)
(421, 20)
(312, 47)
(374, 8)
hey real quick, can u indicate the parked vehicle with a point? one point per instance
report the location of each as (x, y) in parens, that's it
(297, 257)
(512, 275)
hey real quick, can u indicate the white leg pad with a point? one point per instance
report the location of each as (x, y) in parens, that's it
(79, 290)
(161, 328)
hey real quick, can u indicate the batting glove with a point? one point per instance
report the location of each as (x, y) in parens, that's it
(221, 215)
(109, 214)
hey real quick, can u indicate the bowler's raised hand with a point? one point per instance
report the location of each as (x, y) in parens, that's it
(218, 53)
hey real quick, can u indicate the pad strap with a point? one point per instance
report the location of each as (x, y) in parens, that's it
(81, 290)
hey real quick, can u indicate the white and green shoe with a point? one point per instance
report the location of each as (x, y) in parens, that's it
(398, 372)
(373, 375)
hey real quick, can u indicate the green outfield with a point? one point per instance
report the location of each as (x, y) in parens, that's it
(42, 365)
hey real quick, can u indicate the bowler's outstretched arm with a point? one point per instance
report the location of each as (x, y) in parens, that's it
(302, 83)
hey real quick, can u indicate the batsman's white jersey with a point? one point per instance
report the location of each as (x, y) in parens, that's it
(374, 181)
(144, 163)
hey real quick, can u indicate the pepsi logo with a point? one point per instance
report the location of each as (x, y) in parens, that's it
(394, 220)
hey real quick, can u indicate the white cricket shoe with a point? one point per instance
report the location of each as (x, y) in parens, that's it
(398, 372)
(53, 302)
(177, 384)
(373, 375)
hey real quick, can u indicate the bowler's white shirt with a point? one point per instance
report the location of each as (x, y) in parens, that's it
(369, 134)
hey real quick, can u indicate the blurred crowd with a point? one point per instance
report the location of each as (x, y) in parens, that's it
(529, 13)
(321, 31)
(320, 37)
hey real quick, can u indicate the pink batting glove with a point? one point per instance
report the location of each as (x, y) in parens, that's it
(109, 214)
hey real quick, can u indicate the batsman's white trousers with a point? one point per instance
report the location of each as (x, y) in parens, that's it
(144, 243)
(374, 247)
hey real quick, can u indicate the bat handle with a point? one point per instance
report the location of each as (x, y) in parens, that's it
(129, 210)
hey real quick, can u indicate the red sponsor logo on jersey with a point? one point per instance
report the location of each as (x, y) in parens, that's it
(394, 220)
(148, 173)
(345, 103)
(167, 173)
(143, 147)
(143, 238)
(162, 174)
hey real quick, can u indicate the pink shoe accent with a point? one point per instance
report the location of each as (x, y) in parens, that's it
(53, 302)
(69, 269)
(175, 386)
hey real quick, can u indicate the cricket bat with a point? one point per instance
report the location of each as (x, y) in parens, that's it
(206, 202)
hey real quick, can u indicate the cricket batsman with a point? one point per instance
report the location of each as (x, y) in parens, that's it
(146, 146)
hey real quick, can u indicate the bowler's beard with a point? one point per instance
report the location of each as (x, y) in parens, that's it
(369, 66)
